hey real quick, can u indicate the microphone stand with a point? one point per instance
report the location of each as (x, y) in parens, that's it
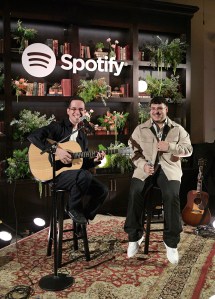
(56, 281)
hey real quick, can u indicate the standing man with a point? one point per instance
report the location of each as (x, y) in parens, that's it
(78, 182)
(158, 146)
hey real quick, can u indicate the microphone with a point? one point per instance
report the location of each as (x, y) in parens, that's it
(86, 124)
(149, 162)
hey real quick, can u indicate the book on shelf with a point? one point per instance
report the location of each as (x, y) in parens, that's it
(35, 89)
(55, 47)
(84, 51)
(67, 87)
(29, 90)
(42, 88)
(66, 48)
(124, 89)
(49, 42)
(143, 95)
(123, 53)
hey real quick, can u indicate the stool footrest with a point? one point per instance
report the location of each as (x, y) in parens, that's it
(60, 220)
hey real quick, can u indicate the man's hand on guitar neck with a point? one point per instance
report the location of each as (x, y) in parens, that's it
(64, 156)
(99, 156)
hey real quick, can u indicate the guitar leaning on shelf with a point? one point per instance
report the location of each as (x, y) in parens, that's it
(196, 211)
(41, 166)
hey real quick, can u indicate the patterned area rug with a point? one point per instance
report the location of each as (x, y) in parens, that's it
(109, 274)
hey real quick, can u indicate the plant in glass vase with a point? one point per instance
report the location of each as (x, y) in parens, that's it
(112, 47)
(88, 114)
(23, 34)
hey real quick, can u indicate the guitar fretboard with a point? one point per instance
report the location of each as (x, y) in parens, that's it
(92, 154)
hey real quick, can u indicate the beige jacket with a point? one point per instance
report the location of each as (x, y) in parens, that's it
(144, 148)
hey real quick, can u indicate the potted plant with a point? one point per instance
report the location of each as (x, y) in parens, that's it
(116, 161)
(112, 48)
(22, 35)
(167, 88)
(99, 46)
(167, 54)
(17, 167)
(90, 90)
(28, 122)
(143, 113)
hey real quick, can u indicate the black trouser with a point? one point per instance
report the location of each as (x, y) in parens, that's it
(82, 185)
(171, 204)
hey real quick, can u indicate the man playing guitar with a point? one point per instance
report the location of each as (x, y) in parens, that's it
(78, 182)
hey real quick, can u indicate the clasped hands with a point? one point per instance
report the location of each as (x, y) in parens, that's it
(163, 146)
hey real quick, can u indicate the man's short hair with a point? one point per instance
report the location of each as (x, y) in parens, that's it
(158, 100)
(73, 98)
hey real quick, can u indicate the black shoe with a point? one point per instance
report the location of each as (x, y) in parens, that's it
(76, 216)
(78, 230)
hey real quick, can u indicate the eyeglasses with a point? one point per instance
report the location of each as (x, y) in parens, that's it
(74, 109)
(157, 108)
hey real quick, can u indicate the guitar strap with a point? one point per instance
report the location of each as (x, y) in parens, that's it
(164, 134)
(151, 181)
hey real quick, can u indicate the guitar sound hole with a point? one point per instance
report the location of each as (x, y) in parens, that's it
(197, 200)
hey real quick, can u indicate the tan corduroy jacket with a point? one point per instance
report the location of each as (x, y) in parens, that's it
(144, 148)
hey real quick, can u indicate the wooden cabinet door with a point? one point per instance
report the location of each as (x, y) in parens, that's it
(117, 200)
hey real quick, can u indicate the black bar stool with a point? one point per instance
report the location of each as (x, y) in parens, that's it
(154, 206)
(76, 235)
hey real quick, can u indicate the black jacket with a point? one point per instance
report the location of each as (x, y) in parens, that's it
(58, 131)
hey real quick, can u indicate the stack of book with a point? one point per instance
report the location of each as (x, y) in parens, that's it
(100, 54)
(36, 89)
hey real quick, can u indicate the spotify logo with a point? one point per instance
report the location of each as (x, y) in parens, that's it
(38, 60)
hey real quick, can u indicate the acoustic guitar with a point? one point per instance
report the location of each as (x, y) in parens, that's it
(196, 211)
(41, 165)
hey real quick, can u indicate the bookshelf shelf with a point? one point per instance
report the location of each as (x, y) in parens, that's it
(95, 25)
(85, 22)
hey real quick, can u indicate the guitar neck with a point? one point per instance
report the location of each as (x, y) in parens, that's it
(199, 186)
(92, 154)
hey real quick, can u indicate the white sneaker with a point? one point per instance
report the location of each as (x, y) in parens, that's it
(172, 254)
(133, 247)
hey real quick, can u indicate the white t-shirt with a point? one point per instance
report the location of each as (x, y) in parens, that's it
(74, 135)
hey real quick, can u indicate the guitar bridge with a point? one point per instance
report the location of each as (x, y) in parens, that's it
(196, 211)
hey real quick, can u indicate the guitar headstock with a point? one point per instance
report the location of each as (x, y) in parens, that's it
(201, 163)
(125, 151)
